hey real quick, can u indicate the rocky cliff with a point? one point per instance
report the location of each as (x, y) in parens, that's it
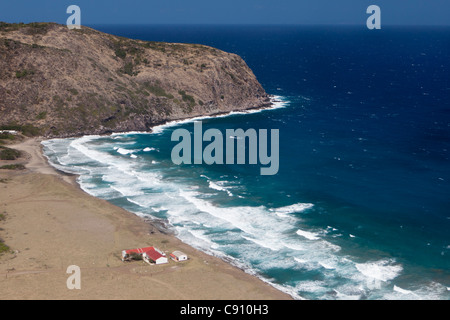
(75, 82)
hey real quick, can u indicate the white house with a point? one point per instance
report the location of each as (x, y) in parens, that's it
(154, 256)
(178, 256)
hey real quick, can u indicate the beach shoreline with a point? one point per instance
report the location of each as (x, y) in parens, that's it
(51, 223)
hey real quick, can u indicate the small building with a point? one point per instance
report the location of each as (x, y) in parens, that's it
(128, 255)
(13, 132)
(178, 256)
(154, 257)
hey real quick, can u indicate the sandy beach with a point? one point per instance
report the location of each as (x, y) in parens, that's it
(50, 224)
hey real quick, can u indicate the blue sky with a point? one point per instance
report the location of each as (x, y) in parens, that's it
(393, 12)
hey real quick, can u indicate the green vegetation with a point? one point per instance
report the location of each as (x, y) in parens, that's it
(121, 53)
(37, 27)
(187, 98)
(4, 26)
(24, 73)
(73, 91)
(7, 136)
(157, 91)
(13, 167)
(128, 69)
(3, 247)
(30, 28)
(42, 115)
(157, 46)
(124, 47)
(9, 154)
(59, 102)
(135, 256)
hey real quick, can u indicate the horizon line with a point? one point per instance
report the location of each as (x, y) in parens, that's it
(237, 24)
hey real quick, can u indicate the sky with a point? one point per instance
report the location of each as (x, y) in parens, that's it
(315, 12)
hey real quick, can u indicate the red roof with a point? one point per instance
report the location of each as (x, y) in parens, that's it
(153, 254)
(139, 250)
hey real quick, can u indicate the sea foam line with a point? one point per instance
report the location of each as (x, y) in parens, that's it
(278, 102)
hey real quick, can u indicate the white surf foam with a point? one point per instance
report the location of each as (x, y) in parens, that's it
(125, 151)
(294, 208)
(277, 103)
(308, 235)
(272, 245)
(294, 246)
(403, 291)
(218, 186)
(383, 270)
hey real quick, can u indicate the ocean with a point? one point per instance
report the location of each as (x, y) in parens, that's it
(360, 206)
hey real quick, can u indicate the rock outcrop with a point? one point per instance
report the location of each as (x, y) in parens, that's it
(76, 82)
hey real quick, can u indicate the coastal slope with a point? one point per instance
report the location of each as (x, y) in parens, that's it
(76, 82)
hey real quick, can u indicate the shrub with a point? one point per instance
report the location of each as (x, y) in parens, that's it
(188, 99)
(135, 256)
(42, 115)
(24, 73)
(38, 28)
(3, 247)
(73, 91)
(120, 53)
(9, 154)
(30, 130)
(128, 69)
(158, 91)
(13, 167)
(6, 136)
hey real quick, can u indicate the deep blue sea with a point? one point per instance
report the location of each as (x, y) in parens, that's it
(360, 207)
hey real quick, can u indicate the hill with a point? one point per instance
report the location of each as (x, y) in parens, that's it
(74, 82)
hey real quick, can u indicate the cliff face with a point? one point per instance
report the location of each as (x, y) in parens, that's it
(75, 82)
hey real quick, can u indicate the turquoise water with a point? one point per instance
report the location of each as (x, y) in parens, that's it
(359, 208)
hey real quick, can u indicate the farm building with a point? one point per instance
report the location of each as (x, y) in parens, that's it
(178, 256)
(128, 254)
(148, 254)
(154, 257)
